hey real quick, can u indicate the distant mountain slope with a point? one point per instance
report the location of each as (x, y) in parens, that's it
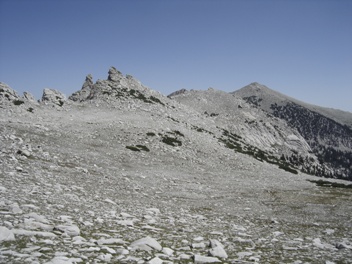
(327, 131)
(262, 95)
(271, 136)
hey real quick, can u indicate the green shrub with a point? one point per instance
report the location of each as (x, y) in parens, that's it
(287, 168)
(144, 148)
(156, 100)
(323, 183)
(133, 148)
(179, 133)
(171, 141)
(138, 148)
(18, 102)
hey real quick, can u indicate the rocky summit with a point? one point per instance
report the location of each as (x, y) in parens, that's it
(119, 173)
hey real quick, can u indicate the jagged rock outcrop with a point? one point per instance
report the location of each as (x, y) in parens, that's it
(53, 96)
(117, 87)
(178, 92)
(85, 91)
(115, 75)
(7, 93)
(29, 97)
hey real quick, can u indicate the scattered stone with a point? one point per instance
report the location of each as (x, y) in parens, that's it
(198, 245)
(146, 241)
(53, 96)
(110, 241)
(198, 259)
(28, 96)
(6, 234)
(24, 152)
(155, 260)
(168, 251)
(110, 201)
(217, 249)
(71, 230)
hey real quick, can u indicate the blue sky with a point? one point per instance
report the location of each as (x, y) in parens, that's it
(302, 48)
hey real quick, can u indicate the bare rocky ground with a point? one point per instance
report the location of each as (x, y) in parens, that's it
(71, 192)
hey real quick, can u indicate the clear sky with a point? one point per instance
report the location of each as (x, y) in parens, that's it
(302, 48)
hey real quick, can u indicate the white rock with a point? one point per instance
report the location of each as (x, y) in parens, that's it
(37, 217)
(110, 201)
(32, 224)
(198, 259)
(122, 251)
(239, 228)
(244, 254)
(126, 215)
(329, 231)
(108, 249)
(198, 245)
(6, 234)
(64, 260)
(155, 260)
(217, 249)
(125, 222)
(277, 233)
(317, 243)
(71, 230)
(148, 241)
(184, 256)
(15, 208)
(154, 211)
(168, 251)
(109, 241)
(23, 232)
(105, 257)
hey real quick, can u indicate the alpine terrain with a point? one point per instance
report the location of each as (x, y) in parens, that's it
(119, 173)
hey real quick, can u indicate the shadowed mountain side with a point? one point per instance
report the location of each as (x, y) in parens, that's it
(327, 131)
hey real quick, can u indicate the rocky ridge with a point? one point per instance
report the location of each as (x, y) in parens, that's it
(116, 176)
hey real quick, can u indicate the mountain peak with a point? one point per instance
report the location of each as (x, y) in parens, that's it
(257, 86)
(114, 75)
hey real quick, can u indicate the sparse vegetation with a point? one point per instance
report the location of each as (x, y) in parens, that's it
(323, 183)
(171, 141)
(156, 100)
(235, 142)
(173, 119)
(287, 168)
(138, 148)
(199, 129)
(18, 102)
(176, 132)
(142, 147)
